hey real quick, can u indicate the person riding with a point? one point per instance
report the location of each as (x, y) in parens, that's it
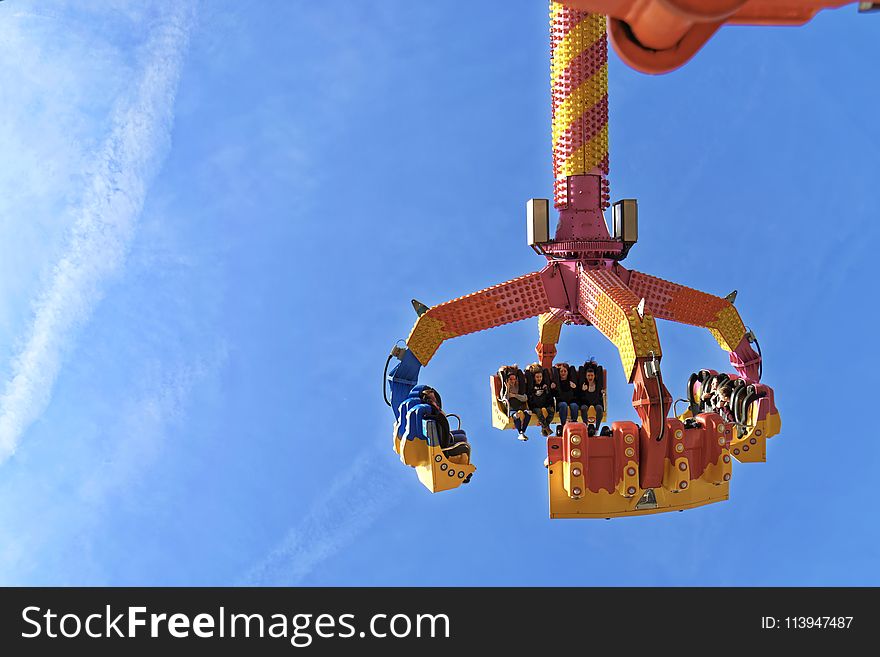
(590, 394)
(709, 398)
(455, 452)
(564, 389)
(457, 455)
(517, 402)
(724, 395)
(540, 398)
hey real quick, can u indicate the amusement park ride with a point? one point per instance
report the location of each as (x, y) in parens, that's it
(665, 463)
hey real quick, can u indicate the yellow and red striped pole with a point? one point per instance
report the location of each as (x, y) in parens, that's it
(579, 90)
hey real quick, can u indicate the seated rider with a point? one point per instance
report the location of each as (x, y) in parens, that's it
(724, 395)
(540, 398)
(590, 394)
(708, 395)
(517, 402)
(564, 389)
(458, 453)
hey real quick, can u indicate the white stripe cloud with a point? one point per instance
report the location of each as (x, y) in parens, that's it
(355, 500)
(105, 221)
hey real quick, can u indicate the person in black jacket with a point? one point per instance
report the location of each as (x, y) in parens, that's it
(430, 397)
(460, 454)
(540, 398)
(590, 394)
(564, 389)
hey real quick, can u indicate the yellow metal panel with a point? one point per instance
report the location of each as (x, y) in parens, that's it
(614, 505)
(570, 481)
(629, 481)
(426, 337)
(610, 306)
(772, 425)
(438, 473)
(752, 447)
(675, 473)
(549, 328)
(728, 328)
(414, 452)
(719, 472)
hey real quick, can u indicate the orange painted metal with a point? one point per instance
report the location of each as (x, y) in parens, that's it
(685, 305)
(658, 36)
(676, 302)
(651, 399)
(514, 300)
(520, 298)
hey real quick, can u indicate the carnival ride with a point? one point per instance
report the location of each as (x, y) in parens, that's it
(664, 463)
(657, 36)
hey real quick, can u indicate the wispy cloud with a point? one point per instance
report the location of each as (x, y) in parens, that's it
(105, 221)
(355, 500)
(144, 421)
(104, 465)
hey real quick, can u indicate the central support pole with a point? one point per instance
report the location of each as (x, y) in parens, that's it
(579, 92)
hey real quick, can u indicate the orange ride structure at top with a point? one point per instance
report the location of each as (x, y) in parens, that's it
(657, 36)
(665, 463)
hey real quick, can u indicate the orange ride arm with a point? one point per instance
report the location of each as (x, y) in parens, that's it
(685, 305)
(658, 36)
(520, 298)
(608, 304)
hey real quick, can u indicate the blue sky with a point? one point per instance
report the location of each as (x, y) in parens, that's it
(212, 219)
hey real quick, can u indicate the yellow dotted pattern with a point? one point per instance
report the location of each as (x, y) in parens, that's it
(583, 35)
(556, 8)
(582, 103)
(583, 98)
(728, 328)
(679, 303)
(549, 329)
(426, 337)
(610, 306)
(588, 156)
